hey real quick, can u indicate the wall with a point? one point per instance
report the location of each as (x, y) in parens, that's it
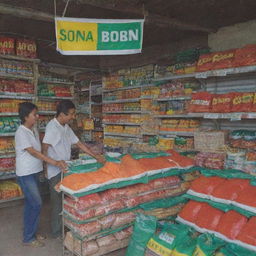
(234, 36)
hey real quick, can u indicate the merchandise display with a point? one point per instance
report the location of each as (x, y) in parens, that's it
(98, 219)
(9, 106)
(16, 87)
(24, 47)
(46, 105)
(222, 103)
(177, 133)
(9, 189)
(9, 124)
(7, 145)
(227, 59)
(49, 90)
(10, 67)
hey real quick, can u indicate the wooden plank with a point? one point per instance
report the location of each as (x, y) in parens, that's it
(26, 13)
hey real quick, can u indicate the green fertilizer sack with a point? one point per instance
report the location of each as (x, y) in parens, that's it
(207, 245)
(144, 228)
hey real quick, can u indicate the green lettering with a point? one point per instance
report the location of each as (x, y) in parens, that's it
(71, 35)
(89, 36)
(63, 35)
(80, 35)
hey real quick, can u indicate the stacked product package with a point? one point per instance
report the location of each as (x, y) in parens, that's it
(100, 206)
(218, 219)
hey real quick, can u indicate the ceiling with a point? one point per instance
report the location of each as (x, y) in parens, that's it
(168, 24)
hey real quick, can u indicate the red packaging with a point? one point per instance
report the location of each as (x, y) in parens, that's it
(200, 102)
(242, 102)
(221, 103)
(7, 46)
(26, 48)
(205, 62)
(231, 223)
(247, 196)
(164, 182)
(223, 59)
(230, 189)
(245, 56)
(209, 217)
(248, 233)
(123, 219)
(206, 185)
(191, 211)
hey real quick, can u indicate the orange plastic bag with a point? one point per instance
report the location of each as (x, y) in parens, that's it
(131, 167)
(200, 102)
(245, 56)
(242, 102)
(225, 59)
(191, 211)
(230, 189)
(247, 196)
(205, 62)
(209, 217)
(221, 103)
(206, 185)
(231, 223)
(248, 233)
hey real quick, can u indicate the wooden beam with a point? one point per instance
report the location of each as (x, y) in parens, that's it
(26, 13)
(150, 17)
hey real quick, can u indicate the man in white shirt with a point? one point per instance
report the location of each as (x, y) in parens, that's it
(57, 143)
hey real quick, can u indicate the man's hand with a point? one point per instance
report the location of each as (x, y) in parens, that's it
(61, 164)
(100, 158)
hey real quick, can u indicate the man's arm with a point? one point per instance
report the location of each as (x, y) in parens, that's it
(87, 150)
(45, 158)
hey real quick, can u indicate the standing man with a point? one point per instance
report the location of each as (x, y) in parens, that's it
(57, 142)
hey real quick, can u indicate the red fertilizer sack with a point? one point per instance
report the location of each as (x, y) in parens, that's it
(225, 59)
(191, 211)
(107, 221)
(231, 223)
(85, 202)
(205, 62)
(245, 56)
(200, 102)
(164, 182)
(206, 185)
(242, 102)
(221, 103)
(209, 217)
(230, 189)
(248, 233)
(247, 196)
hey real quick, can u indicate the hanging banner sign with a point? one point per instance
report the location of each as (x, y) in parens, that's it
(98, 36)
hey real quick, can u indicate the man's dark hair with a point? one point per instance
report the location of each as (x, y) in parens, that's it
(25, 108)
(64, 106)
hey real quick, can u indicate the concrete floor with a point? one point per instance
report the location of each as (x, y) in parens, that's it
(11, 233)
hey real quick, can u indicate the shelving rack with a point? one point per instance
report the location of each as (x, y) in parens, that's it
(9, 174)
